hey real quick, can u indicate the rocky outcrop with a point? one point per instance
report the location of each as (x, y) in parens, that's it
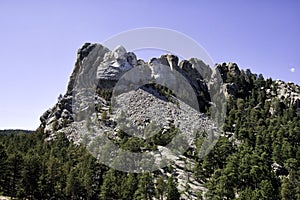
(230, 90)
(100, 88)
(286, 92)
(168, 60)
(95, 65)
(98, 71)
(228, 70)
(114, 64)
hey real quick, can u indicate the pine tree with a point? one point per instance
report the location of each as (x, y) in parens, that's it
(15, 161)
(3, 166)
(108, 189)
(267, 190)
(129, 186)
(160, 188)
(145, 190)
(172, 191)
(30, 175)
(287, 189)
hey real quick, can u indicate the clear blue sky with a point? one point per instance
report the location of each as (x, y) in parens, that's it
(39, 40)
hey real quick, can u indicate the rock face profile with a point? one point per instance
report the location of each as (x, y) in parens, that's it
(98, 66)
(114, 93)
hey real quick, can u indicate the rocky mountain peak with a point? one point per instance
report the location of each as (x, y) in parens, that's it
(105, 66)
(96, 63)
(98, 71)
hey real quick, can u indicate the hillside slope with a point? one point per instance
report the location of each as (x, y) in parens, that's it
(221, 133)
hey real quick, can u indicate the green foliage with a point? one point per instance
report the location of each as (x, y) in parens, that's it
(172, 191)
(34, 168)
(241, 162)
(145, 188)
(160, 188)
(37, 169)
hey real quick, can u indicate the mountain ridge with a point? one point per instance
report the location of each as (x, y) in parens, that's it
(116, 104)
(190, 68)
(98, 70)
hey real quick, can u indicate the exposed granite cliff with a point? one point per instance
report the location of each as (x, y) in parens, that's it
(97, 71)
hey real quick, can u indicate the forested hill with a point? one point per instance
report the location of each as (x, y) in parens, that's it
(14, 131)
(256, 157)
